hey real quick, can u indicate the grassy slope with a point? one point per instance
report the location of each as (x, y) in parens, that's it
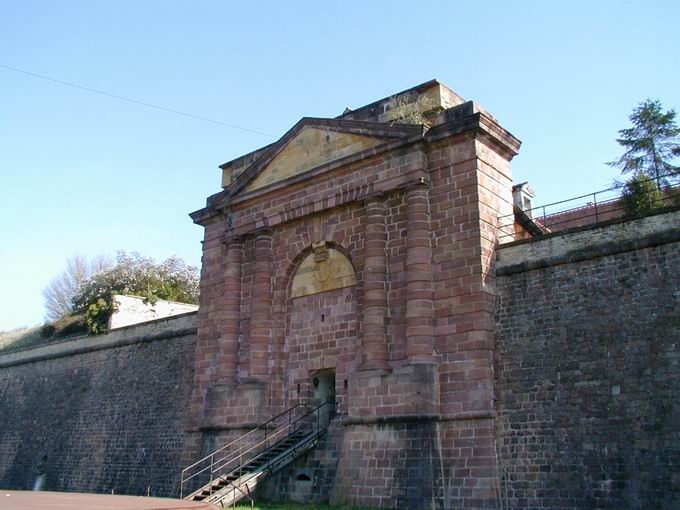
(27, 338)
(20, 338)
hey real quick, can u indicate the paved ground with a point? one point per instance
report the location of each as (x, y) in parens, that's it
(29, 500)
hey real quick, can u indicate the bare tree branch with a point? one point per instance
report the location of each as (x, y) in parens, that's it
(59, 293)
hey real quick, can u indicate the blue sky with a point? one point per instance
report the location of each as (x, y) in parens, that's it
(83, 173)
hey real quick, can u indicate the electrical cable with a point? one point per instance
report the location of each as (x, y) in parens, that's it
(135, 101)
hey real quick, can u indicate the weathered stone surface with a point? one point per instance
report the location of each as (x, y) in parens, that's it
(130, 310)
(391, 465)
(314, 276)
(99, 414)
(312, 477)
(310, 148)
(587, 371)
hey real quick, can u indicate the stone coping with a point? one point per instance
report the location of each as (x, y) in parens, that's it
(159, 329)
(589, 242)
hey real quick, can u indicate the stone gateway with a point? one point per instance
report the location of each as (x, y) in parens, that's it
(362, 246)
(353, 267)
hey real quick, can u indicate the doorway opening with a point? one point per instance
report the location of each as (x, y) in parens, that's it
(323, 391)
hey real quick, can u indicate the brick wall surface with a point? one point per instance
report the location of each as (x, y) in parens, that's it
(322, 333)
(312, 476)
(587, 372)
(103, 420)
(391, 465)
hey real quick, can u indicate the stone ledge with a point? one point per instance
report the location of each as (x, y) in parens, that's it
(161, 329)
(585, 243)
(398, 418)
(408, 418)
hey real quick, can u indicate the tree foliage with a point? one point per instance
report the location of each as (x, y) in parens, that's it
(59, 293)
(651, 144)
(640, 195)
(171, 280)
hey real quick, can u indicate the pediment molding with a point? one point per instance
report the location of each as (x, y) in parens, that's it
(380, 132)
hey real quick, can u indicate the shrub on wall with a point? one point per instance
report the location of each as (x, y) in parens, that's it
(171, 280)
(67, 325)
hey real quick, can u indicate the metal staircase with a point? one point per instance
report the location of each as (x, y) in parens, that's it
(232, 472)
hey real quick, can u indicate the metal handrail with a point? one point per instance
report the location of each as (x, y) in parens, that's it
(243, 436)
(542, 215)
(317, 433)
(211, 456)
(220, 464)
(241, 453)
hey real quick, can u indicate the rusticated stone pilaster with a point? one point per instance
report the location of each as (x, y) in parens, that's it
(261, 308)
(419, 287)
(231, 312)
(374, 327)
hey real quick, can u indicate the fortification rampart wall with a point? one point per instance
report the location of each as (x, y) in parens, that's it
(99, 414)
(587, 367)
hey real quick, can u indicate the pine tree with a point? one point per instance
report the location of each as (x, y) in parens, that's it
(651, 145)
(640, 195)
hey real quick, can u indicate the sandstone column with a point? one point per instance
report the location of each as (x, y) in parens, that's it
(419, 286)
(374, 327)
(261, 307)
(231, 312)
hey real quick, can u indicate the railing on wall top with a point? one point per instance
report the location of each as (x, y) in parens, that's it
(578, 211)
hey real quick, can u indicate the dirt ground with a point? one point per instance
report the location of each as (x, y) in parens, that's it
(29, 500)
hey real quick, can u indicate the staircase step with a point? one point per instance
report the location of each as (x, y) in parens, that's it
(224, 490)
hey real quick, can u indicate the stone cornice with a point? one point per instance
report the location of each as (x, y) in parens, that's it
(465, 118)
(357, 194)
(216, 204)
(482, 124)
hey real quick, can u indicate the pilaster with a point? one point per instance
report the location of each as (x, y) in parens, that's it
(261, 308)
(374, 325)
(419, 286)
(231, 312)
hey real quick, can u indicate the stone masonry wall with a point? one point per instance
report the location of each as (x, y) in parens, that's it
(312, 476)
(99, 414)
(394, 465)
(587, 369)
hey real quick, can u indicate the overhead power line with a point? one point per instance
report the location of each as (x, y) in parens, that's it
(135, 101)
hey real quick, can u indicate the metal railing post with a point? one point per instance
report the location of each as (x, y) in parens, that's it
(240, 459)
(595, 204)
(212, 471)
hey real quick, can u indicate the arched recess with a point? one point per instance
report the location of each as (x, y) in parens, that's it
(322, 270)
(321, 321)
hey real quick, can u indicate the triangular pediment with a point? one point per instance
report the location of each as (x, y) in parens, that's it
(310, 148)
(312, 143)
